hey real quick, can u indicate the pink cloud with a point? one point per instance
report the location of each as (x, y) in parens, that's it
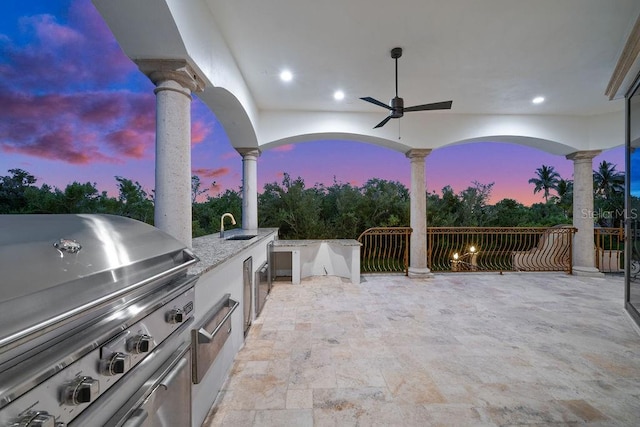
(103, 109)
(283, 148)
(199, 131)
(79, 54)
(110, 125)
(229, 155)
(141, 111)
(60, 104)
(211, 173)
(129, 142)
(58, 145)
(49, 32)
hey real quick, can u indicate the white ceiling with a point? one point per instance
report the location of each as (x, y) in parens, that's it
(488, 56)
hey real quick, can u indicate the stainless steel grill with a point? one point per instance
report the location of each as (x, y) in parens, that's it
(91, 307)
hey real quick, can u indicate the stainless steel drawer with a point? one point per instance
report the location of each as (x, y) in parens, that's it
(208, 339)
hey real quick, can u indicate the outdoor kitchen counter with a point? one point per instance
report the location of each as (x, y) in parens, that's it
(214, 250)
(334, 257)
(225, 273)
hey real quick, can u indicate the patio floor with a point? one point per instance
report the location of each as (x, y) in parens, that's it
(458, 350)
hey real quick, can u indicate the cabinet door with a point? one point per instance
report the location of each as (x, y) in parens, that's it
(169, 404)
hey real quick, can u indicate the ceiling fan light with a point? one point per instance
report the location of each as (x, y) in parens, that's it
(338, 95)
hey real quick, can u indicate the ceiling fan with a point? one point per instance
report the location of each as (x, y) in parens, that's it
(397, 104)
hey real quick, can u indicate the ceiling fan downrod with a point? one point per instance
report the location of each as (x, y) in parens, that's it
(396, 53)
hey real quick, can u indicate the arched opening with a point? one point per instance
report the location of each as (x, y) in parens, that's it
(508, 161)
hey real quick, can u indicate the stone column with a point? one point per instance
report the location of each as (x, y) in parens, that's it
(175, 80)
(249, 187)
(418, 250)
(583, 241)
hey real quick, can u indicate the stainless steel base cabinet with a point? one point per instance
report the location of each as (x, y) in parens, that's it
(165, 399)
(262, 287)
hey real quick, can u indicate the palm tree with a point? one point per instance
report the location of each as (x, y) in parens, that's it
(547, 179)
(564, 188)
(607, 180)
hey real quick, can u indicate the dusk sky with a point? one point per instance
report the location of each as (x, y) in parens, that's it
(75, 108)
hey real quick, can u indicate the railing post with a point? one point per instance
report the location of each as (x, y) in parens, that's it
(571, 232)
(429, 247)
(599, 247)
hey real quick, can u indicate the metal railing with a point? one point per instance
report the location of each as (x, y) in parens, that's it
(385, 250)
(459, 249)
(462, 249)
(609, 249)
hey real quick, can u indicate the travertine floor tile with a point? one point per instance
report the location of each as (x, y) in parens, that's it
(456, 350)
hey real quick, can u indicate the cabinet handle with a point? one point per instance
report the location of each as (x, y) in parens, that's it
(136, 419)
(168, 379)
(205, 337)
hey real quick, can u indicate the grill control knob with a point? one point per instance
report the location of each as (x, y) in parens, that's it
(139, 344)
(175, 316)
(116, 364)
(82, 390)
(36, 419)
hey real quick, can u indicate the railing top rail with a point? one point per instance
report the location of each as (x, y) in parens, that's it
(500, 230)
(386, 230)
(609, 230)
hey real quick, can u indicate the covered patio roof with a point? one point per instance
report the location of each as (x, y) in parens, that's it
(491, 58)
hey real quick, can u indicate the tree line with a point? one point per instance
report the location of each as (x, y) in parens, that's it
(19, 194)
(339, 210)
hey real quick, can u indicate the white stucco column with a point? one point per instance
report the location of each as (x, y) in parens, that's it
(175, 81)
(249, 187)
(418, 250)
(583, 241)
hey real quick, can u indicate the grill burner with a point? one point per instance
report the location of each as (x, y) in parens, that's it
(87, 302)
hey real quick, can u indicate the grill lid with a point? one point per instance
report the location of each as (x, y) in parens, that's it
(52, 265)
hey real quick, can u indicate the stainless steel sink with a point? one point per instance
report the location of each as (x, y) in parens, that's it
(241, 237)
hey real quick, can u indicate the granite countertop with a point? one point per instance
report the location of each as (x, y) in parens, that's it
(213, 250)
(343, 242)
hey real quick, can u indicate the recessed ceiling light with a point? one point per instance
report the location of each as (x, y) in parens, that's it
(538, 100)
(338, 95)
(286, 76)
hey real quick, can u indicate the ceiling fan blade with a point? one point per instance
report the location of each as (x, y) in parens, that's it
(445, 105)
(375, 101)
(382, 123)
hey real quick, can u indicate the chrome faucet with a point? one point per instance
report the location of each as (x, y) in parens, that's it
(233, 222)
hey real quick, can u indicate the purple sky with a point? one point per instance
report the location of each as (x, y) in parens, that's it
(75, 108)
